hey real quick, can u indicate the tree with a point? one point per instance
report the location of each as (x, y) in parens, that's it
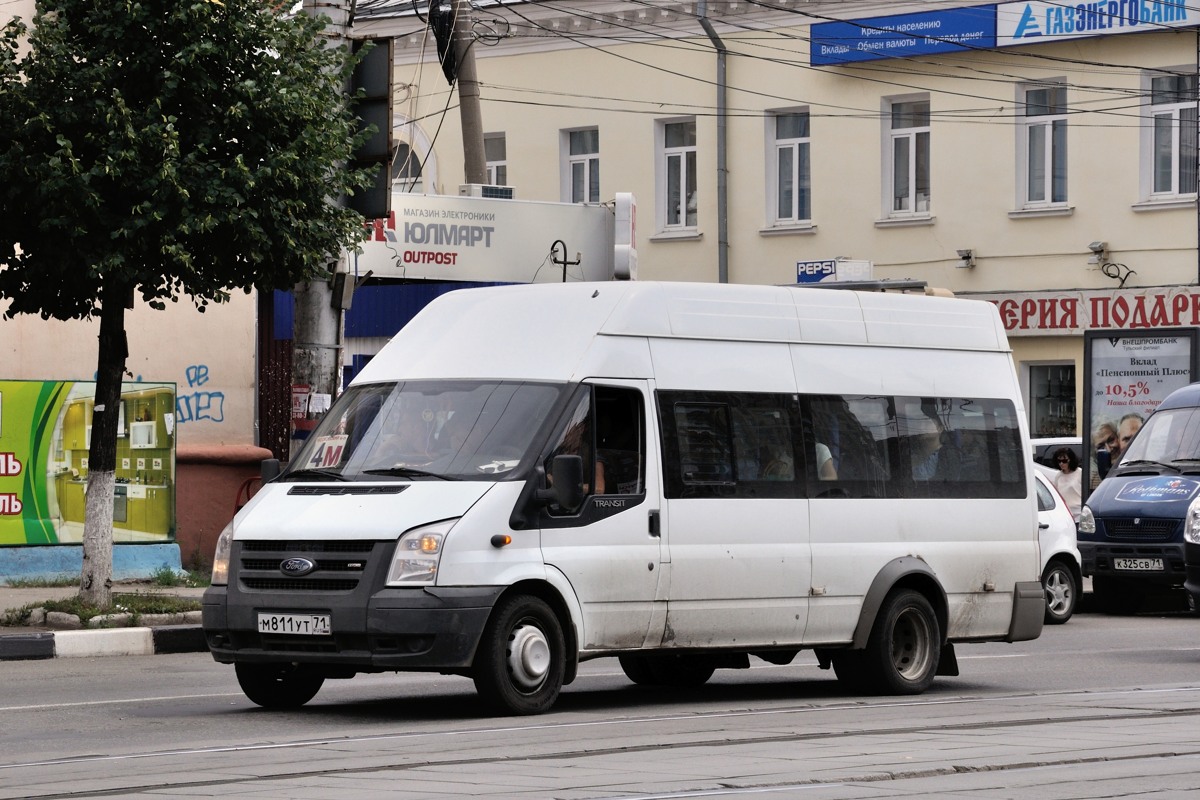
(164, 148)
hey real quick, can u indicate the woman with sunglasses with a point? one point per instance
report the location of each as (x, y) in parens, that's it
(1068, 481)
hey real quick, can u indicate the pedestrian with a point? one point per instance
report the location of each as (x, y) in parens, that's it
(1069, 479)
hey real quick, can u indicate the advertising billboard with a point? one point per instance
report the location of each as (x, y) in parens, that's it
(903, 35)
(45, 436)
(1126, 375)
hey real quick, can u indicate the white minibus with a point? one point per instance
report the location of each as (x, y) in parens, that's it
(682, 476)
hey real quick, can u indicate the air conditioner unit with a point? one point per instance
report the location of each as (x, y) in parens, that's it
(486, 190)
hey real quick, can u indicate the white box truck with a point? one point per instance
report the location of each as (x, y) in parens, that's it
(681, 476)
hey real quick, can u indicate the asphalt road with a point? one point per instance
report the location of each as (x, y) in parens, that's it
(1099, 707)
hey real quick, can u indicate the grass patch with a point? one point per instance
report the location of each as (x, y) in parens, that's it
(136, 604)
(43, 583)
(167, 577)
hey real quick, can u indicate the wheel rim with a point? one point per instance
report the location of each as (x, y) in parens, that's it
(1058, 593)
(912, 645)
(528, 656)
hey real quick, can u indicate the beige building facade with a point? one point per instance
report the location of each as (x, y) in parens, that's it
(1053, 174)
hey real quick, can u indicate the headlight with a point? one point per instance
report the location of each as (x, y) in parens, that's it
(1087, 523)
(220, 570)
(417, 555)
(1191, 523)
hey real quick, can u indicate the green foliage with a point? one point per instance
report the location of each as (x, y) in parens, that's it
(184, 147)
(168, 577)
(42, 583)
(135, 604)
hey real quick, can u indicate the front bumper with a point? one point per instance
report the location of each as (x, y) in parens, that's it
(1099, 559)
(429, 629)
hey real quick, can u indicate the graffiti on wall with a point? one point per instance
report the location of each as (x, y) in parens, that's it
(199, 404)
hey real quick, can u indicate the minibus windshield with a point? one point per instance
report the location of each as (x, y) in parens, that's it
(425, 430)
(1169, 437)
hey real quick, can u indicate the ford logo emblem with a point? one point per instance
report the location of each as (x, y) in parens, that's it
(295, 567)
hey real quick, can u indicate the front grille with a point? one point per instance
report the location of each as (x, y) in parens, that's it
(302, 547)
(1140, 529)
(338, 565)
(299, 584)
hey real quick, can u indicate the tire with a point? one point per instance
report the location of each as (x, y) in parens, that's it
(521, 660)
(1114, 596)
(1062, 592)
(680, 670)
(278, 686)
(638, 669)
(902, 652)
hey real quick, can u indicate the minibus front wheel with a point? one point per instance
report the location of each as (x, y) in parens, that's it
(278, 685)
(521, 660)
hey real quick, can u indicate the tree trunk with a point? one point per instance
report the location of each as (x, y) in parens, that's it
(95, 583)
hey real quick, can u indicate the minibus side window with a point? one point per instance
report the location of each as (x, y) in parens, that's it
(705, 444)
(959, 447)
(855, 433)
(913, 447)
(576, 440)
(607, 430)
(729, 444)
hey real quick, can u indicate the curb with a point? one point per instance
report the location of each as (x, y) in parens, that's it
(108, 642)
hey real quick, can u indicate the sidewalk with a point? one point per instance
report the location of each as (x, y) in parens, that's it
(42, 641)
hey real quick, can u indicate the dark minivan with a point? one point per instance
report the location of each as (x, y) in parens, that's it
(1139, 532)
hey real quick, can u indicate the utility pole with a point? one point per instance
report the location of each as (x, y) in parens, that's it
(474, 160)
(316, 323)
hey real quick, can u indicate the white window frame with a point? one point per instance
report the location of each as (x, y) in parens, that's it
(1042, 139)
(497, 168)
(918, 204)
(407, 171)
(795, 153)
(673, 213)
(420, 144)
(1175, 115)
(587, 165)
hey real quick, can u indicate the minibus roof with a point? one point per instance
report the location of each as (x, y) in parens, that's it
(566, 331)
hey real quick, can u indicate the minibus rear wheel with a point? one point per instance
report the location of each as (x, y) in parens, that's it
(278, 685)
(521, 660)
(902, 652)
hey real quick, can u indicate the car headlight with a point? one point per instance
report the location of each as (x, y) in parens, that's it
(1191, 523)
(418, 552)
(220, 570)
(1087, 523)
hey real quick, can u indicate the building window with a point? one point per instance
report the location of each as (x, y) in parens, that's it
(791, 171)
(678, 165)
(495, 153)
(1052, 400)
(908, 157)
(1044, 138)
(583, 166)
(1173, 147)
(406, 169)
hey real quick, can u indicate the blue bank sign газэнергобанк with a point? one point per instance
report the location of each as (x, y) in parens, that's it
(1038, 21)
(903, 35)
(991, 26)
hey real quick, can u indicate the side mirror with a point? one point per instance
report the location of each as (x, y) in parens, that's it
(566, 483)
(269, 469)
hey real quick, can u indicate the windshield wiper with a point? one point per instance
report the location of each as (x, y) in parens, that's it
(323, 474)
(409, 472)
(1139, 462)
